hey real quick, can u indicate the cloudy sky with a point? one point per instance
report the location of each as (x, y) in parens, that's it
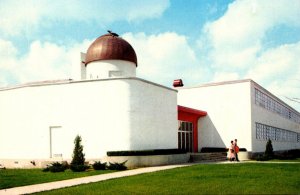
(199, 41)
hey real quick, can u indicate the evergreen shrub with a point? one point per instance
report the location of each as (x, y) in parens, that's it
(78, 160)
(117, 166)
(55, 167)
(99, 166)
(146, 152)
(269, 154)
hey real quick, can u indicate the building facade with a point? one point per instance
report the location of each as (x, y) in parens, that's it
(242, 110)
(113, 110)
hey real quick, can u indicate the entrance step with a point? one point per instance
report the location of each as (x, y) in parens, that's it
(208, 157)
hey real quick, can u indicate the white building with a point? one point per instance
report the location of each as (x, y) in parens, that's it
(109, 108)
(243, 110)
(113, 110)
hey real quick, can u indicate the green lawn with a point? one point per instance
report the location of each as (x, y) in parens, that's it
(235, 178)
(20, 177)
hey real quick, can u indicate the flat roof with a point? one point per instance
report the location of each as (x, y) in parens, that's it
(71, 81)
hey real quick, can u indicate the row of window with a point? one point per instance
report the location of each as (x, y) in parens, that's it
(269, 103)
(265, 132)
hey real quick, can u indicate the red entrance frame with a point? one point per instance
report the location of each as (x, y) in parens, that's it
(191, 115)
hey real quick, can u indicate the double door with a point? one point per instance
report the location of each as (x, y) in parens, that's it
(185, 136)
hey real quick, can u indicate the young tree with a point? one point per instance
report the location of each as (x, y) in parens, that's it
(269, 154)
(77, 163)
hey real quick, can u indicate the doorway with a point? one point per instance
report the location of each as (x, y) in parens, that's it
(185, 136)
(56, 141)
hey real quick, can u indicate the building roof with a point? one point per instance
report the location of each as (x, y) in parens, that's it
(110, 47)
(195, 112)
(70, 81)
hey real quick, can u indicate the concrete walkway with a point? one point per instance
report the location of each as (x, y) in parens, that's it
(84, 180)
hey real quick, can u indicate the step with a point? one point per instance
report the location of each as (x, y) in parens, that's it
(208, 157)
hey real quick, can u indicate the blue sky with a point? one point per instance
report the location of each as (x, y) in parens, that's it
(199, 41)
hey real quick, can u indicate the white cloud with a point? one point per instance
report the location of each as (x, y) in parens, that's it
(165, 57)
(225, 76)
(277, 63)
(7, 53)
(25, 17)
(278, 69)
(44, 61)
(235, 48)
(161, 58)
(236, 38)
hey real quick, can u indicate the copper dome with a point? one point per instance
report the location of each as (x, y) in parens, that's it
(110, 47)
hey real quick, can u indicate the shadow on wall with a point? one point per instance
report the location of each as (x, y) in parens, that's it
(208, 135)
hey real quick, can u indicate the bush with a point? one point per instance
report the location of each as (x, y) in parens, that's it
(117, 166)
(78, 159)
(269, 154)
(55, 167)
(99, 166)
(261, 158)
(79, 168)
(145, 152)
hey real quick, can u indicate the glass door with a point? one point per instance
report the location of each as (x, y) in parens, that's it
(185, 136)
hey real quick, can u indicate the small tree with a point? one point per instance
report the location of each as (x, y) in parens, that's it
(269, 154)
(77, 163)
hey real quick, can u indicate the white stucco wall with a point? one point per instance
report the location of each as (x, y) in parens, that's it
(109, 114)
(153, 116)
(267, 117)
(103, 69)
(229, 113)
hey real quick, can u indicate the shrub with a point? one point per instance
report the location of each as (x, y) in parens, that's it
(261, 157)
(77, 163)
(269, 154)
(145, 152)
(55, 167)
(79, 168)
(99, 166)
(117, 166)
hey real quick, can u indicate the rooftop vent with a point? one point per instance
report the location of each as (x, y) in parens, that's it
(177, 83)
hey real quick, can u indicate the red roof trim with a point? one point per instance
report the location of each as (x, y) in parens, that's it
(199, 113)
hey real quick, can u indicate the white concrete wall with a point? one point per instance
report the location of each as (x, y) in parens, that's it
(229, 113)
(109, 114)
(264, 116)
(101, 69)
(153, 116)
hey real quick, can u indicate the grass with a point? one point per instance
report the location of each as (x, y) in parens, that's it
(235, 178)
(288, 160)
(20, 177)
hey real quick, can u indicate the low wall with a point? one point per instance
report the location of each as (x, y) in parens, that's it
(244, 156)
(27, 163)
(132, 161)
(148, 161)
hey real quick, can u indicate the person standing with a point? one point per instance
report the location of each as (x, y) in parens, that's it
(236, 150)
(231, 153)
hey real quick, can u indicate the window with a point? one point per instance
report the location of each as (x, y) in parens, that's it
(269, 103)
(265, 132)
(114, 73)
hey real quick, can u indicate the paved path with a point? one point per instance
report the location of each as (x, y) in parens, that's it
(84, 180)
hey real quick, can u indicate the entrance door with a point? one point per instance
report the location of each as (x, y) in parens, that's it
(56, 141)
(185, 136)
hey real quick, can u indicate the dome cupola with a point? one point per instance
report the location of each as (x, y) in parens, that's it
(110, 47)
(109, 56)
